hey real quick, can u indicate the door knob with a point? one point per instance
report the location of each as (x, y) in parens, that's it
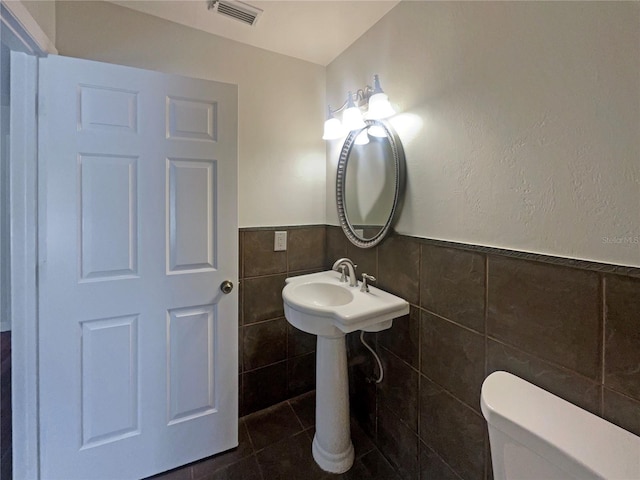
(226, 286)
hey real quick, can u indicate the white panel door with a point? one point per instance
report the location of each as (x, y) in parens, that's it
(137, 230)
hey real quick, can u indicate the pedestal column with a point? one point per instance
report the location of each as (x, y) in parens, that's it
(332, 447)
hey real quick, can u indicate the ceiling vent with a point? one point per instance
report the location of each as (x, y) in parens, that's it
(237, 10)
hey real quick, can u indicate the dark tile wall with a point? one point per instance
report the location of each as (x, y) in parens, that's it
(276, 360)
(571, 329)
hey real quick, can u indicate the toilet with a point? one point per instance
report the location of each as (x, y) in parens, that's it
(536, 435)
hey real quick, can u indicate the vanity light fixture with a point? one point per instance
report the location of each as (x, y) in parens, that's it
(373, 99)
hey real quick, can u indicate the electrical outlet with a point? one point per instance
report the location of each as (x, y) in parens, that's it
(280, 242)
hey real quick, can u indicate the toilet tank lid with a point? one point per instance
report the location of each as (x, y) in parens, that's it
(558, 430)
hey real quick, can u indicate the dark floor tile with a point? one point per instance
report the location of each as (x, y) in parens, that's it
(561, 382)
(264, 343)
(622, 410)
(398, 443)
(399, 267)
(336, 245)
(453, 357)
(259, 257)
(550, 311)
(399, 389)
(306, 248)
(362, 443)
(622, 335)
(272, 425)
(366, 260)
(311, 432)
(301, 374)
(453, 430)
(290, 459)
(372, 466)
(432, 467)
(299, 342)
(452, 285)
(264, 387)
(262, 298)
(403, 338)
(212, 464)
(246, 469)
(180, 473)
(6, 464)
(304, 407)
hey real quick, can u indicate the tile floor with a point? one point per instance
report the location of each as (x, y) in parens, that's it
(275, 444)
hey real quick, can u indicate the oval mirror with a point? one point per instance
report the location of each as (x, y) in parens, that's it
(370, 183)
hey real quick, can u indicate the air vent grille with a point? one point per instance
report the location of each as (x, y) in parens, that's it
(239, 11)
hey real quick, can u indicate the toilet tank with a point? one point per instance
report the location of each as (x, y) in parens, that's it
(536, 435)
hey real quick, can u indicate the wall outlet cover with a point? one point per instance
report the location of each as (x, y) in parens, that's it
(280, 242)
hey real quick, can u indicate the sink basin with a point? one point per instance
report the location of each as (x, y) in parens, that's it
(323, 294)
(320, 304)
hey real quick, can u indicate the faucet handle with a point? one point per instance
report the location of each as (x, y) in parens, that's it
(343, 271)
(366, 278)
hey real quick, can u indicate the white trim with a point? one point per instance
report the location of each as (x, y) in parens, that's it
(24, 19)
(23, 163)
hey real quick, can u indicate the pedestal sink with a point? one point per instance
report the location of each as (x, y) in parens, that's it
(322, 305)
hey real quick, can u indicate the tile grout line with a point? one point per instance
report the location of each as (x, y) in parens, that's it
(451, 394)
(297, 416)
(543, 360)
(486, 317)
(603, 312)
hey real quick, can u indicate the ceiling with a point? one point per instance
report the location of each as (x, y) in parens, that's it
(311, 30)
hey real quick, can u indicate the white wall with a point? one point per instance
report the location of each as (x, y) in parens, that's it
(281, 101)
(520, 122)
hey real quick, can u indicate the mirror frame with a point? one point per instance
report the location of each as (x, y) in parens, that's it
(399, 168)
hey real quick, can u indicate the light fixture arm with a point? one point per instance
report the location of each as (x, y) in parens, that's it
(360, 98)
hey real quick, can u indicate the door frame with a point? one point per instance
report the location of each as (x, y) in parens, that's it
(25, 35)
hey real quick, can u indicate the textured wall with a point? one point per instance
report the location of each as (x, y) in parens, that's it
(281, 155)
(520, 121)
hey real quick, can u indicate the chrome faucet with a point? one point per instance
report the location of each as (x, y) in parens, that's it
(353, 280)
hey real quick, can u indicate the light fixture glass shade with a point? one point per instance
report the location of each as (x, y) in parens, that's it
(362, 138)
(377, 131)
(332, 129)
(352, 119)
(379, 107)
